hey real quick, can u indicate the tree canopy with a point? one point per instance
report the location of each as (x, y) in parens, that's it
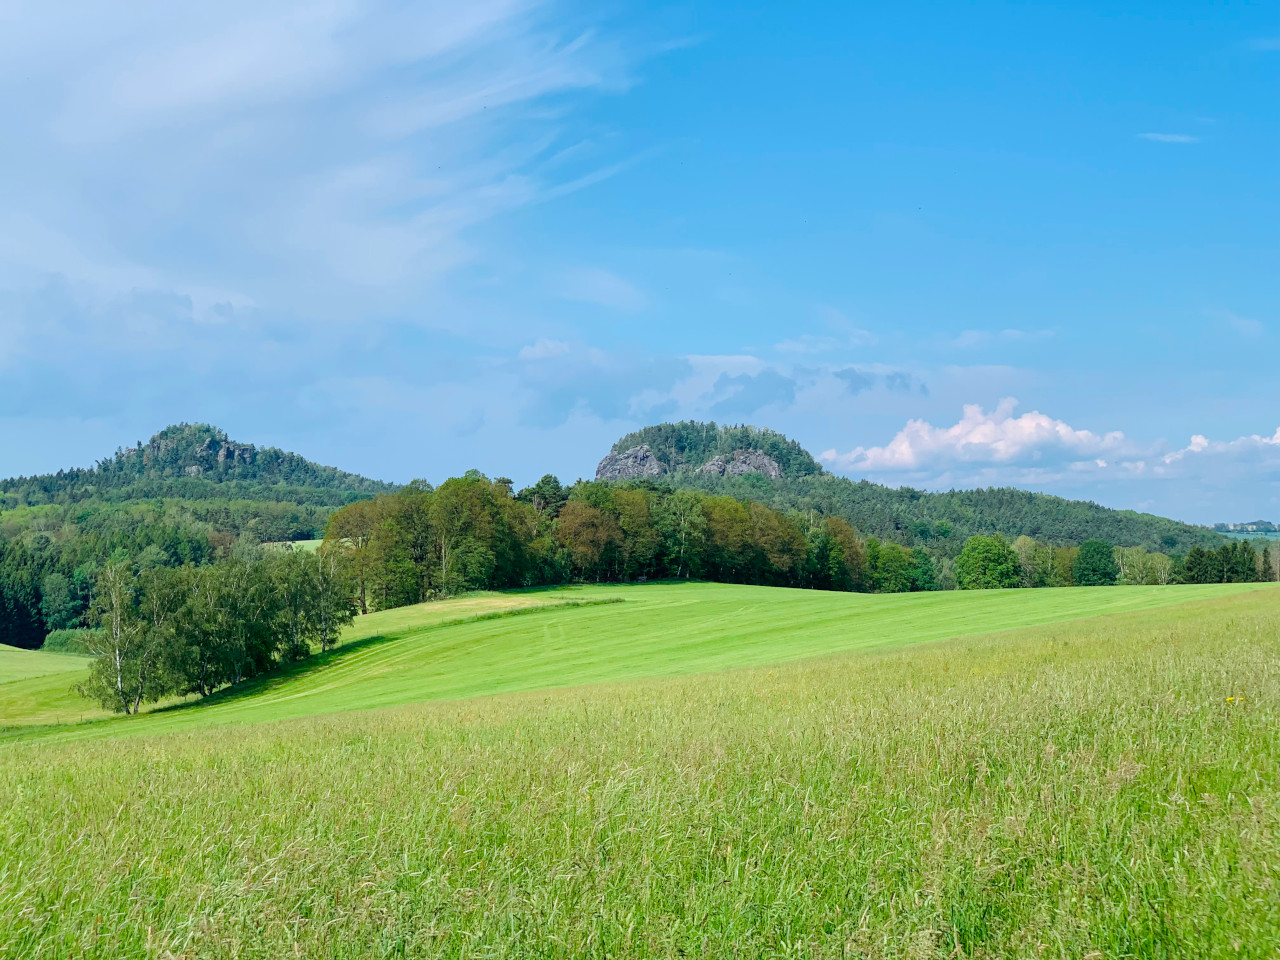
(1095, 565)
(988, 563)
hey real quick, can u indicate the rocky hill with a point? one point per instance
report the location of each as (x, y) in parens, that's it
(705, 449)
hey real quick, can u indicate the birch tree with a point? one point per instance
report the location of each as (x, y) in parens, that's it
(126, 648)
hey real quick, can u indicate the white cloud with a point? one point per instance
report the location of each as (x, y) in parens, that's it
(996, 438)
(1242, 448)
(1170, 137)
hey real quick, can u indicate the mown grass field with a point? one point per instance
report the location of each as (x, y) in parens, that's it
(1097, 787)
(419, 653)
(18, 664)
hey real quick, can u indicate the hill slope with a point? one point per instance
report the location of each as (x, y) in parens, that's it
(724, 460)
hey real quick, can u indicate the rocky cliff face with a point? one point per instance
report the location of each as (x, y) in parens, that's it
(630, 464)
(742, 461)
(212, 454)
(640, 461)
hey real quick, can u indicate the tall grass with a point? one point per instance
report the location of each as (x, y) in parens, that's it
(1105, 788)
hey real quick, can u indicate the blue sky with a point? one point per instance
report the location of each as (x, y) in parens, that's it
(939, 244)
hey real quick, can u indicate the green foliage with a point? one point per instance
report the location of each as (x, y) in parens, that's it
(988, 563)
(183, 498)
(1095, 565)
(472, 533)
(924, 573)
(70, 641)
(1136, 565)
(891, 567)
(546, 497)
(165, 631)
(21, 572)
(689, 444)
(1235, 562)
(64, 600)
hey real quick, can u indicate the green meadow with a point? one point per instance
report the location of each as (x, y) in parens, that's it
(679, 770)
(597, 635)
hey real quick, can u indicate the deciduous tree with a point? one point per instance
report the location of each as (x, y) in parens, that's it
(987, 563)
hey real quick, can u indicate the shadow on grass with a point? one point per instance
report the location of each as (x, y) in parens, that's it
(285, 673)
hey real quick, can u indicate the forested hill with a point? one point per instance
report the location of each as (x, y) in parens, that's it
(194, 462)
(940, 522)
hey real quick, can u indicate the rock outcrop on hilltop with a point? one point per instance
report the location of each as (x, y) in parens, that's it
(742, 461)
(630, 464)
(640, 461)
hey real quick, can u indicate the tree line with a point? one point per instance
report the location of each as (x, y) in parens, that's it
(993, 562)
(176, 631)
(472, 532)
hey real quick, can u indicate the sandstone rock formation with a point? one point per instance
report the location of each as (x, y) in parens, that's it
(743, 461)
(629, 464)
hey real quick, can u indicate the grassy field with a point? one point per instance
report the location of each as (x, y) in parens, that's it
(408, 655)
(18, 664)
(1086, 788)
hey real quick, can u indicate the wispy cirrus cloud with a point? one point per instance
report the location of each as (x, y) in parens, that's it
(1170, 137)
(289, 152)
